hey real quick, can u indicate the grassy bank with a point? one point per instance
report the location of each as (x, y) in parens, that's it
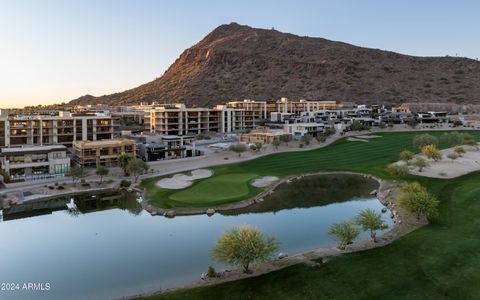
(440, 261)
(366, 157)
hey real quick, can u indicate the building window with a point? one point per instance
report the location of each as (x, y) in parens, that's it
(61, 168)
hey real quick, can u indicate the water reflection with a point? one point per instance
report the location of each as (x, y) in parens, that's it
(86, 203)
(311, 191)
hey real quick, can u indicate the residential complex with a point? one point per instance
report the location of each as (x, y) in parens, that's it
(102, 153)
(63, 128)
(34, 162)
(152, 147)
(167, 131)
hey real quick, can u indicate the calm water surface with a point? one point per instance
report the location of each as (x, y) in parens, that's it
(110, 252)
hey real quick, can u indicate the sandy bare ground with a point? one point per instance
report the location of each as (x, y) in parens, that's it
(181, 181)
(264, 181)
(446, 168)
(354, 139)
(368, 136)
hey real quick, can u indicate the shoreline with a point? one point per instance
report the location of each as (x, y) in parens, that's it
(189, 211)
(386, 194)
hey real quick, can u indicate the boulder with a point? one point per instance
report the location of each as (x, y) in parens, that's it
(210, 211)
(282, 255)
(170, 214)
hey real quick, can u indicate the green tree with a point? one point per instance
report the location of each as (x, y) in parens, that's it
(423, 140)
(102, 171)
(397, 170)
(243, 246)
(357, 126)
(459, 150)
(370, 220)
(276, 143)
(469, 140)
(286, 138)
(415, 199)
(420, 163)
(238, 148)
(412, 122)
(136, 167)
(123, 160)
(306, 139)
(321, 138)
(76, 173)
(5, 176)
(345, 233)
(406, 156)
(453, 138)
(258, 146)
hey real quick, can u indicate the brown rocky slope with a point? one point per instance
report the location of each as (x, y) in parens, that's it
(237, 62)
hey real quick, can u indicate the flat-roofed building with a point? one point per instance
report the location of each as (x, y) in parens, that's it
(297, 130)
(35, 162)
(263, 135)
(176, 119)
(255, 110)
(64, 128)
(103, 152)
(285, 105)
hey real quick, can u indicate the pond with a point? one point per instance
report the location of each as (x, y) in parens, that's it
(112, 248)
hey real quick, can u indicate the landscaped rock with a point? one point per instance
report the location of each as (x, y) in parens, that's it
(170, 214)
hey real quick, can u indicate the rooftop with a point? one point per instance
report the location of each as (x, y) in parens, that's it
(33, 149)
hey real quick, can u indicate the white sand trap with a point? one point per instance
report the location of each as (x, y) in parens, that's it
(264, 181)
(181, 181)
(351, 139)
(368, 136)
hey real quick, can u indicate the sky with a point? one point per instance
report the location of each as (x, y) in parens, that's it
(55, 51)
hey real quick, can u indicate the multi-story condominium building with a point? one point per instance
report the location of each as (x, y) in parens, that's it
(64, 128)
(285, 105)
(176, 119)
(254, 110)
(35, 162)
(102, 153)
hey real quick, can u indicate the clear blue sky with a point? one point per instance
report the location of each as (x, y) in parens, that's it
(54, 51)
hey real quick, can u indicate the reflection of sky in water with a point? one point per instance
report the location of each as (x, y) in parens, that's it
(113, 253)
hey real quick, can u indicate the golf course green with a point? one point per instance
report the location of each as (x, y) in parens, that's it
(438, 261)
(216, 189)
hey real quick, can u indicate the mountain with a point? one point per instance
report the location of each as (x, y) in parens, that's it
(236, 62)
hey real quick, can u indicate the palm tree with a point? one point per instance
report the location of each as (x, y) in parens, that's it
(370, 220)
(345, 232)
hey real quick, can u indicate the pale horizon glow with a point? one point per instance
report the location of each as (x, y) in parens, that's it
(56, 51)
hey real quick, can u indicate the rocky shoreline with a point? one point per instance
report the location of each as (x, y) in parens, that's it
(386, 193)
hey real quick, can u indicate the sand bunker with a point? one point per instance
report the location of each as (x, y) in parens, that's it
(368, 136)
(264, 181)
(181, 181)
(351, 139)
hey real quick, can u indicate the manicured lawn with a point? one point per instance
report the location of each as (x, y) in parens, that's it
(367, 157)
(439, 261)
(216, 189)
